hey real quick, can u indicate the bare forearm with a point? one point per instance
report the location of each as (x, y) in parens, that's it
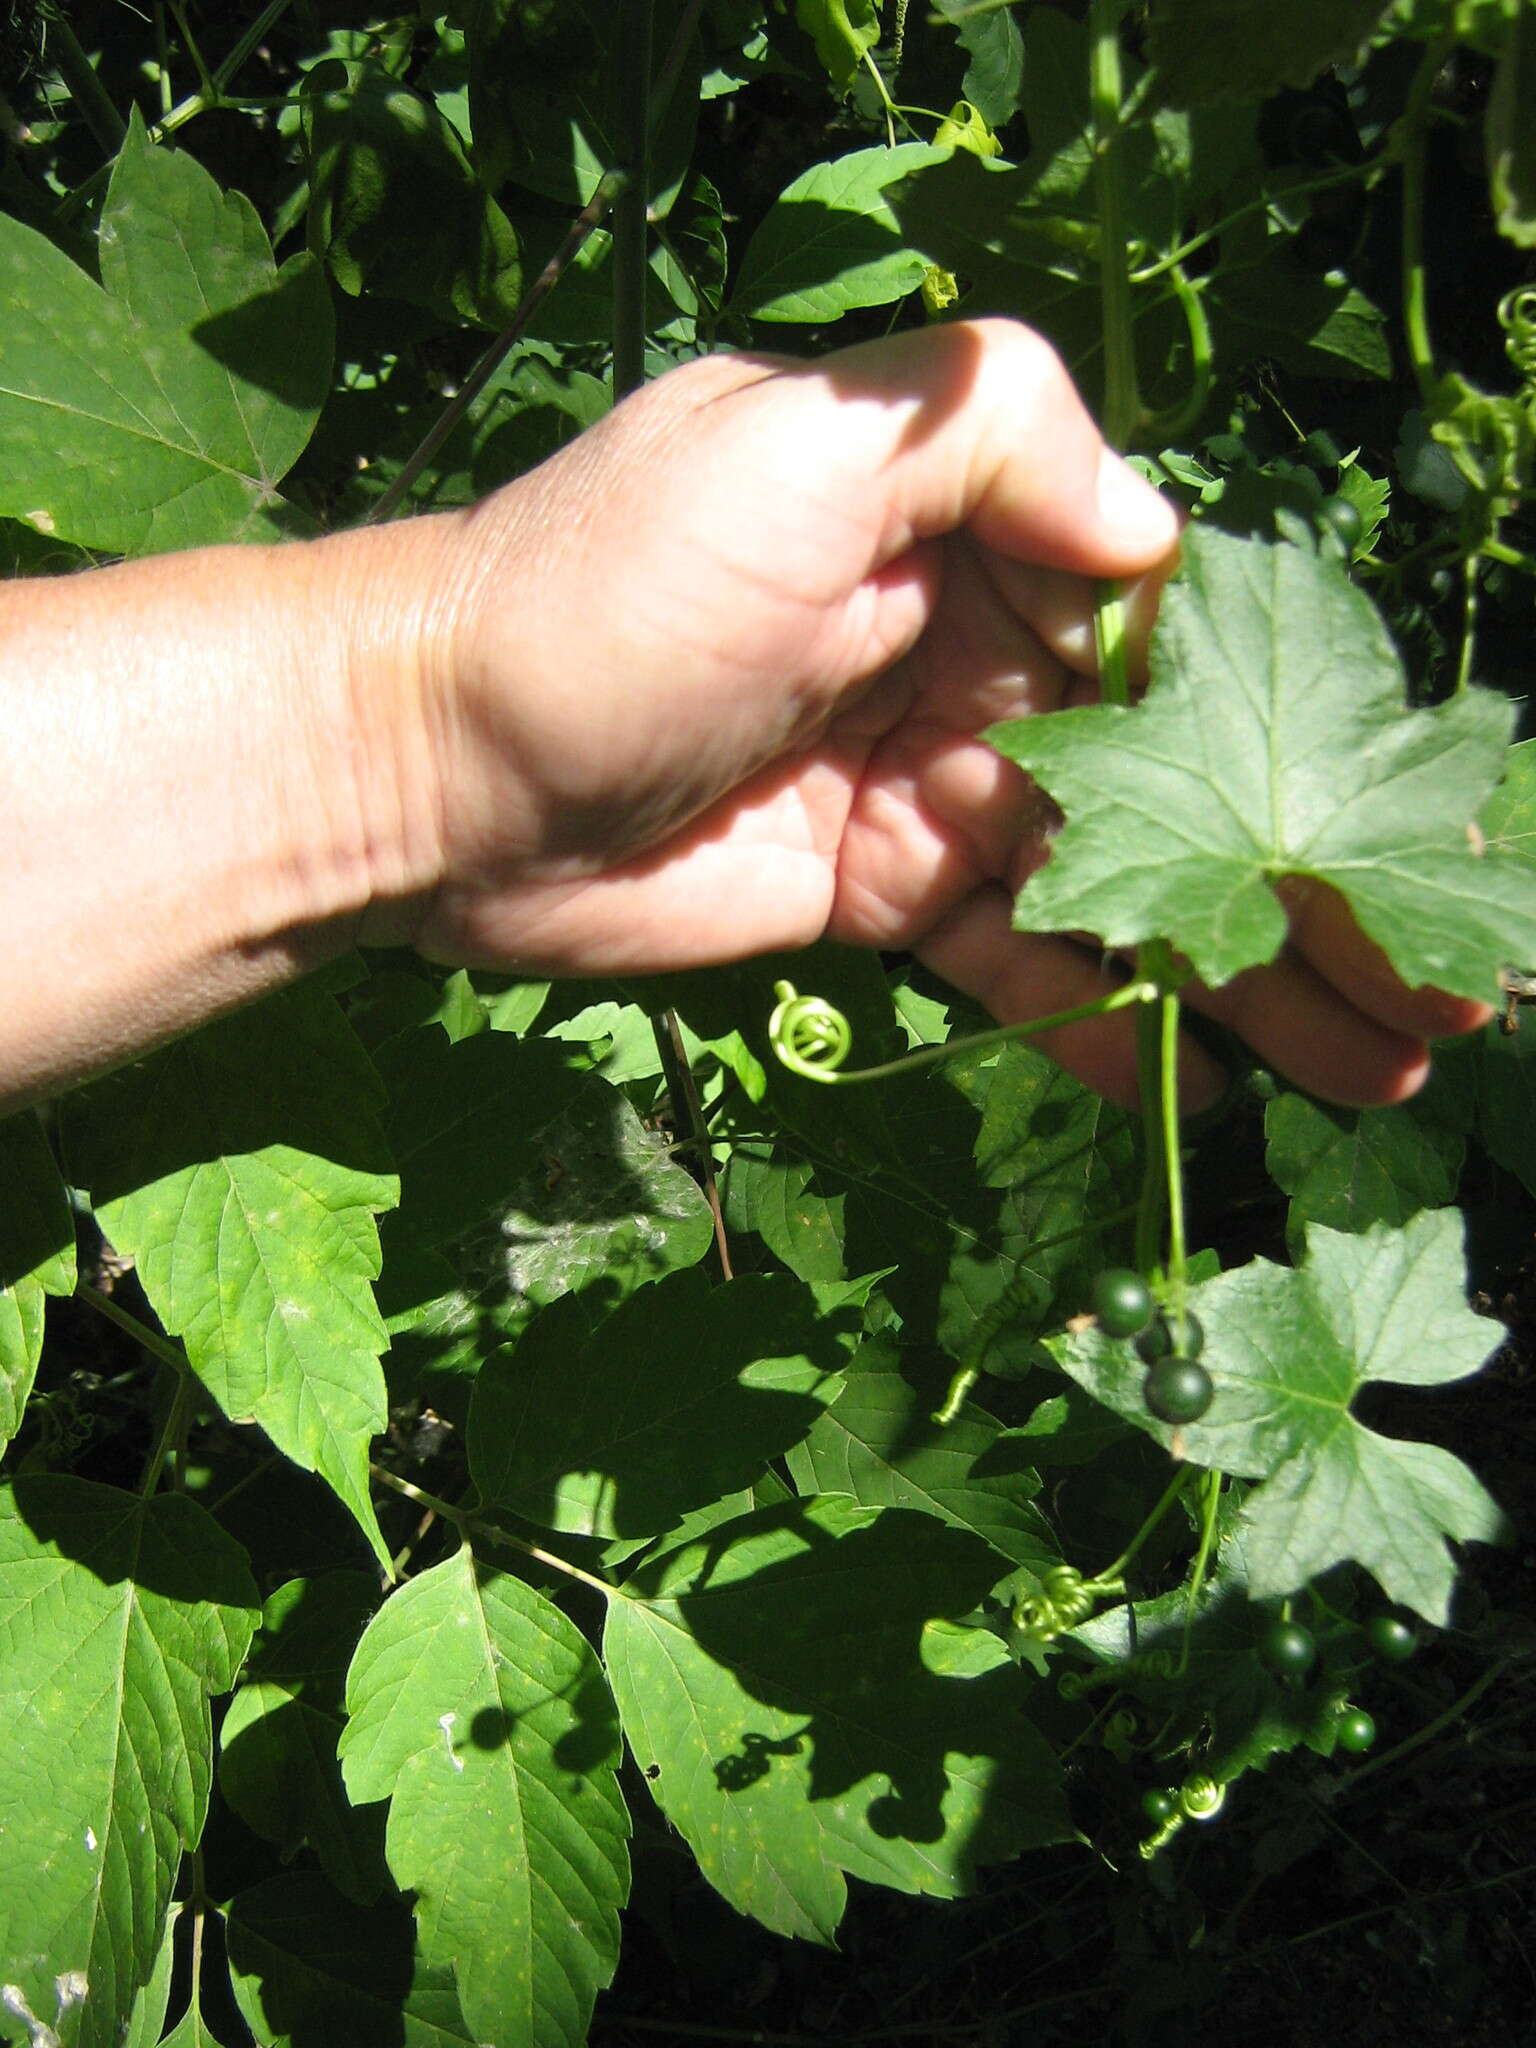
(196, 787)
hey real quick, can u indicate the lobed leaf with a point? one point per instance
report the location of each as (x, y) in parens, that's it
(162, 407)
(1274, 743)
(1288, 1351)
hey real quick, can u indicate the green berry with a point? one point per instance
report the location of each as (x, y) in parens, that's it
(1156, 1340)
(1122, 1301)
(1393, 1641)
(1355, 1730)
(1158, 1805)
(1177, 1390)
(1342, 518)
(1287, 1649)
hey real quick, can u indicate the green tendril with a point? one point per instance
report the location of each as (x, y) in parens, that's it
(1065, 1600)
(812, 1038)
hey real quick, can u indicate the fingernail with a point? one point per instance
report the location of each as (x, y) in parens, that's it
(1138, 520)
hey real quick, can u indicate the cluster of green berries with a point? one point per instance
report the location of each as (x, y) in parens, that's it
(1289, 1650)
(1177, 1388)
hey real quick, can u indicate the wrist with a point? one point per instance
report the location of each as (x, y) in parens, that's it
(377, 612)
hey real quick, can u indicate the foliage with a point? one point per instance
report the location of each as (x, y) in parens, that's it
(517, 1535)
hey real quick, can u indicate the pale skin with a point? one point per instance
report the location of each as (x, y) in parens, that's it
(706, 684)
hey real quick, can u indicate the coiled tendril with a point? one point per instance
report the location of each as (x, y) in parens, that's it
(812, 1037)
(1517, 316)
(809, 1035)
(1065, 1598)
(1201, 1798)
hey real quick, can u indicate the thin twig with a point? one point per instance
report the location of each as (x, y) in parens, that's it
(590, 217)
(157, 1346)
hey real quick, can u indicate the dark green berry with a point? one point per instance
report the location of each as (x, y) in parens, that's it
(1177, 1390)
(1393, 1641)
(1342, 518)
(1287, 1649)
(1156, 1340)
(1355, 1730)
(1159, 1805)
(1122, 1301)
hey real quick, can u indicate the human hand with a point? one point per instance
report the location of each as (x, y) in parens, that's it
(713, 678)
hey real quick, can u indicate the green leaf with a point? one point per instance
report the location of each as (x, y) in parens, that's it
(191, 2030)
(242, 1169)
(481, 1714)
(879, 1444)
(775, 1197)
(682, 1394)
(277, 1744)
(995, 48)
(1245, 49)
(1288, 1351)
(163, 407)
(119, 1617)
(1509, 816)
(1223, 1699)
(1315, 326)
(1507, 1100)
(1274, 742)
(537, 1178)
(830, 242)
(1509, 133)
(147, 2022)
(547, 98)
(37, 1257)
(395, 205)
(782, 1691)
(312, 1969)
(843, 31)
(1350, 1168)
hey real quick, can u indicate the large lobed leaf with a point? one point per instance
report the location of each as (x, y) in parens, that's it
(1288, 1351)
(119, 1618)
(1274, 742)
(243, 1168)
(162, 407)
(481, 1714)
(789, 1687)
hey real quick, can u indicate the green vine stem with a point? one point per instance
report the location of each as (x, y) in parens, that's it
(1122, 402)
(470, 1525)
(631, 223)
(86, 89)
(1414, 124)
(1171, 425)
(1110, 643)
(813, 1038)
